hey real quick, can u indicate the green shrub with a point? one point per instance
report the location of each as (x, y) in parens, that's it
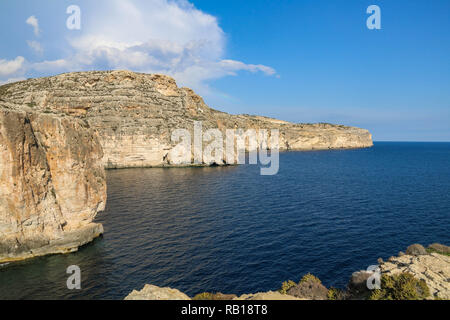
(431, 250)
(203, 296)
(286, 286)
(309, 277)
(402, 286)
(290, 284)
(335, 294)
(214, 296)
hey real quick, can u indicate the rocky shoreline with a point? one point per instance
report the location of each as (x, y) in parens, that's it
(58, 134)
(417, 274)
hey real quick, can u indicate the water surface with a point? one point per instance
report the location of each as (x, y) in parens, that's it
(231, 230)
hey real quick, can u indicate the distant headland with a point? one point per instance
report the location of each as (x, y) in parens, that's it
(58, 134)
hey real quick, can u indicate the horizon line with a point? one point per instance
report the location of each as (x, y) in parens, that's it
(412, 141)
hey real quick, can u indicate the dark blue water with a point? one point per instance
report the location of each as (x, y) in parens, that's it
(231, 230)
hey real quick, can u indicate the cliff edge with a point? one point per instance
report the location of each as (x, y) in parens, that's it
(135, 114)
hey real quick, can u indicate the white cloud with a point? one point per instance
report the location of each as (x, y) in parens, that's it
(36, 46)
(33, 21)
(11, 67)
(154, 36)
(54, 66)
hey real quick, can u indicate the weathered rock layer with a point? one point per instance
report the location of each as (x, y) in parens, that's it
(52, 183)
(433, 268)
(135, 115)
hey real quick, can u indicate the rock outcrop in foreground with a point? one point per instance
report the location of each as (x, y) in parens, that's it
(432, 267)
(427, 269)
(52, 183)
(150, 292)
(135, 114)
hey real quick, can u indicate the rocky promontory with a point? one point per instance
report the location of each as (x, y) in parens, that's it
(57, 134)
(135, 114)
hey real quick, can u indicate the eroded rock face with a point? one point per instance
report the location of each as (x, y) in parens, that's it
(135, 115)
(433, 268)
(151, 292)
(52, 183)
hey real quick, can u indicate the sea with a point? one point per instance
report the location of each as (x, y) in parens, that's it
(232, 230)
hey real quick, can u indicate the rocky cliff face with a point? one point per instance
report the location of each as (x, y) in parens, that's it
(52, 183)
(135, 115)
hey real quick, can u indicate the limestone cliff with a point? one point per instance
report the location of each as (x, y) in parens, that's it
(52, 183)
(135, 114)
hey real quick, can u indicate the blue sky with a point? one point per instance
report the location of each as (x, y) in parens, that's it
(302, 61)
